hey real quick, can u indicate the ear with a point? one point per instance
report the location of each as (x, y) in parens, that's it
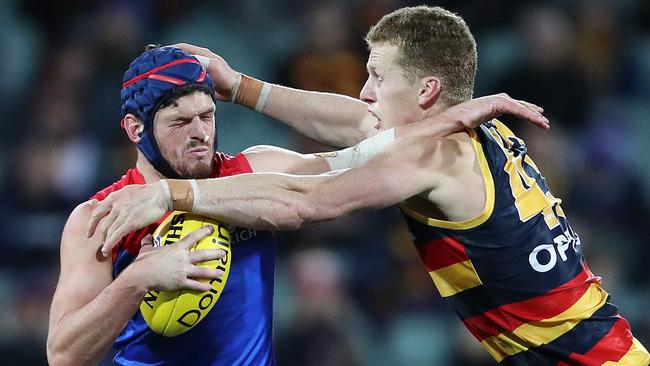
(429, 91)
(133, 127)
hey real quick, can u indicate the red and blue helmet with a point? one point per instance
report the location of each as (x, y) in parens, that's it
(150, 80)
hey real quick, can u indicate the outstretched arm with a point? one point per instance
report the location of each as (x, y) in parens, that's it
(137, 206)
(271, 200)
(332, 119)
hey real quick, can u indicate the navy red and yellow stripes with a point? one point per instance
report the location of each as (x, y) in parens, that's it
(508, 317)
(617, 347)
(525, 306)
(449, 266)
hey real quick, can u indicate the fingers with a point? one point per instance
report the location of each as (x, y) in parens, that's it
(102, 209)
(204, 272)
(195, 285)
(193, 50)
(532, 107)
(116, 232)
(203, 255)
(521, 109)
(146, 243)
(195, 236)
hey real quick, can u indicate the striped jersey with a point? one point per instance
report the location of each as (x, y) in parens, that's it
(238, 329)
(515, 274)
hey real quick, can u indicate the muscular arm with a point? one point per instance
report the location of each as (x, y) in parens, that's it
(136, 207)
(89, 309)
(332, 119)
(285, 202)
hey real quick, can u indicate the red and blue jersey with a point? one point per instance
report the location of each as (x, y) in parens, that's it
(515, 274)
(238, 330)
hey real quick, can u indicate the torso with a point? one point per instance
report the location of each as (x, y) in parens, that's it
(238, 330)
(514, 271)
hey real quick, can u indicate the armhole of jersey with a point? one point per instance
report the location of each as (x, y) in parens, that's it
(489, 196)
(244, 163)
(232, 165)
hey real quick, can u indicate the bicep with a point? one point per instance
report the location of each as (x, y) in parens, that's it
(84, 271)
(273, 159)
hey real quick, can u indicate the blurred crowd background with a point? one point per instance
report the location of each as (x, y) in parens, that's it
(352, 291)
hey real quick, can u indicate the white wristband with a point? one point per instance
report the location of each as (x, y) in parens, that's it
(167, 193)
(264, 96)
(235, 87)
(197, 194)
(353, 157)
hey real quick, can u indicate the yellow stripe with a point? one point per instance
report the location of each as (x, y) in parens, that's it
(536, 333)
(455, 278)
(637, 355)
(489, 192)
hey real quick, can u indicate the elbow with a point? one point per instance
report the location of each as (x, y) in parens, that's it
(58, 357)
(62, 356)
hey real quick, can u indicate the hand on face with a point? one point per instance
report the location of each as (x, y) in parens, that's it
(222, 74)
(131, 208)
(173, 267)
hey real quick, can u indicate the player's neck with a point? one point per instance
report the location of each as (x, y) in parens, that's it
(147, 170)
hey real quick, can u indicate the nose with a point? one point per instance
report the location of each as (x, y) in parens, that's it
(368, 93)
(199, 130)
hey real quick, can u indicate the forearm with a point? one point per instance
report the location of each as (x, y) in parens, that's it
(85, 335)
(270, 201)
(259, 201)
(332, 119)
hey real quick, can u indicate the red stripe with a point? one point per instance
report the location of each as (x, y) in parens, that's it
(167, 79)
(155, 70)
(508, 317)
(612, 347)
(439, 253)
(202, 76)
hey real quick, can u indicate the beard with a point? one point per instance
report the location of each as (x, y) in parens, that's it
(189, 168)
(198, 170)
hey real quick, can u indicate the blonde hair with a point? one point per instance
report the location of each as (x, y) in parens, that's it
(431, 41)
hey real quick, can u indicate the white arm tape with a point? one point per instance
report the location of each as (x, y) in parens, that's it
(167, 193)
(197, 194)
(264, 96)
(355, 156)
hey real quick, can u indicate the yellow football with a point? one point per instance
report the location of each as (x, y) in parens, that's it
(171, 313)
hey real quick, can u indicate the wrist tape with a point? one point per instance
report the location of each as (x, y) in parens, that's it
(250, 92)
(184, 195)
(355, 156)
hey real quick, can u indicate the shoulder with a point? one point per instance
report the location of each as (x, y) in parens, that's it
(74, 238)
(433, 152)
(79, 216)
(226, 165)
(132, 176)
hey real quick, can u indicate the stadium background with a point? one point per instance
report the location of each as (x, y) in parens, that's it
(349, 292)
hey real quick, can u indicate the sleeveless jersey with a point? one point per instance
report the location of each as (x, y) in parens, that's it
(238, 330)
(515, 274)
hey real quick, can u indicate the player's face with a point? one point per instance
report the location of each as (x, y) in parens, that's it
(390, 97)
(185, 134)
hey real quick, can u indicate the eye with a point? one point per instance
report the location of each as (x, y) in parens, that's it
(208, 117)
(379, 80)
